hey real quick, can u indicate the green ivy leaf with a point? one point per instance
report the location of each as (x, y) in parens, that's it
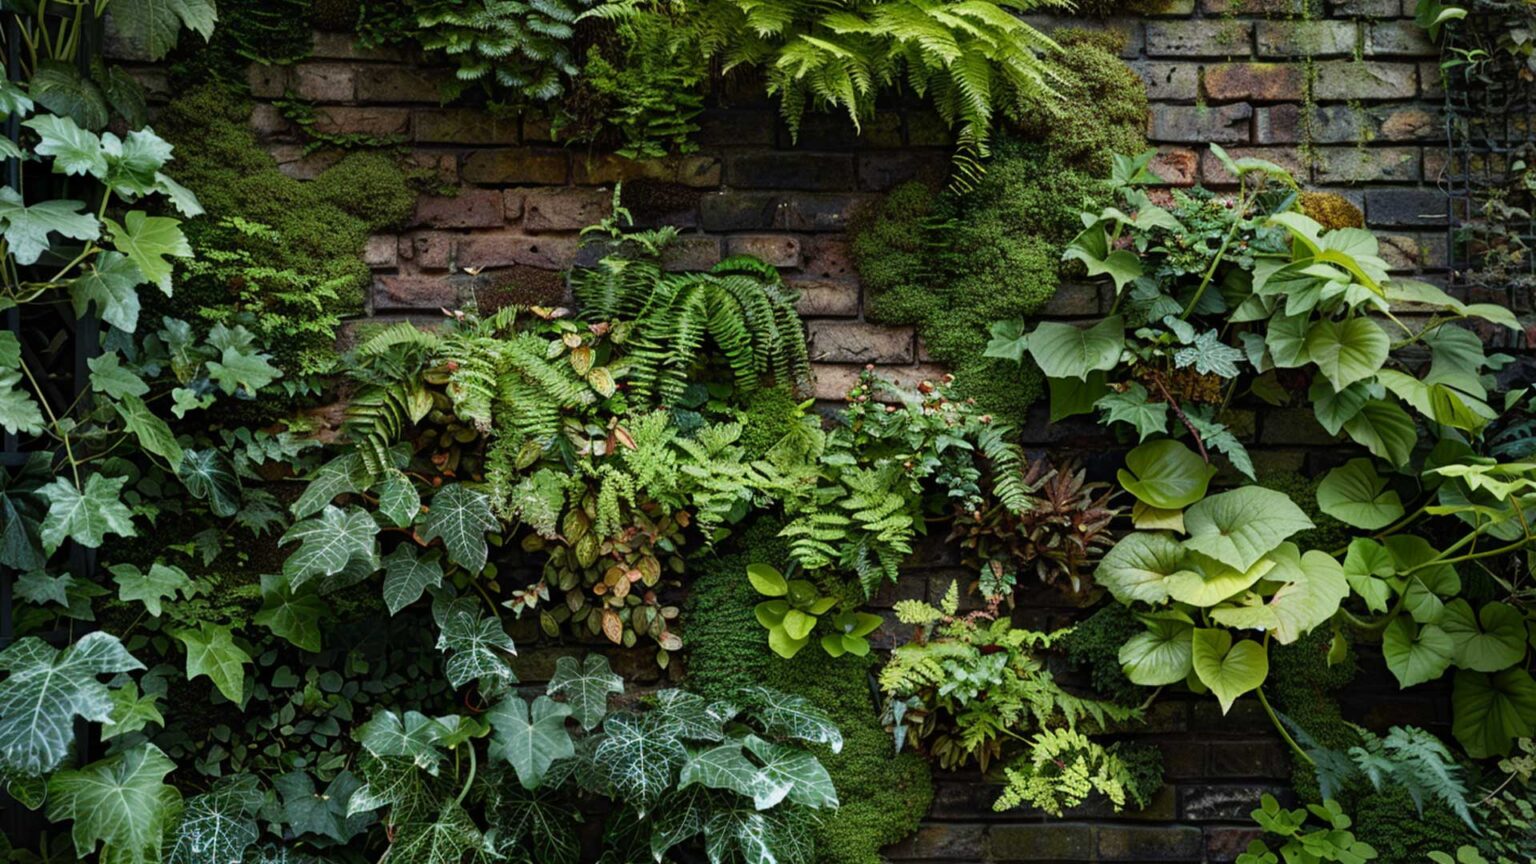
(413, 736)
(242, 372)
(789, 773)
(122, 803)
(1229, 670)
(399, 501)
(791, 716)
(85, 517)
(1165, 474)
(1347, 351)
(461, 517)
(1415, 654)
(723, 766)
(1490, 711)
(26, 229)
(586, 686)
(162, 582)
(531, 738)
(1065, 351)
(1134, 406)
(408, 573)
(1356, 495)
(152, 433)
(220, 824)
(48, 688)
(110, 377)
(1239, 527)
(1160, 655)
(211, 651)
(328, 543)
(639, 759)
(147, 241)
(289, 614)
(343, 475)
(474, 642)
(19, 412)
(1489, 641)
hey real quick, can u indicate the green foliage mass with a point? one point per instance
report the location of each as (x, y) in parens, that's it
(883, 794)
(274, 31)
(1093, 646)
(1329, 532)
(317, 228)
(951, 265)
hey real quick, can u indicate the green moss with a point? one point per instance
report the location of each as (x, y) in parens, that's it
(1094, 646)
(1104, 106)
(883, 794)
(769, 415)
(1332, 210)
(1390, 822)
(317, 229)
(1329, 533)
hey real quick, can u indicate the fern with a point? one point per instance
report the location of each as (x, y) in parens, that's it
(1062, 769)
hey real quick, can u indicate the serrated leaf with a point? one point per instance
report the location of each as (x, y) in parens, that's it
(639, 759)
(413, 736)
(408, 573)
(586, 687)
(219, 825)
(85, 517)
(211, 651)
(328, 542)
(47, 689)
(474, 642)
(289, 614)
(121, 803)
(161, 582)
(461, 517)
(1134, 406)
(19, 412)
(154, 26)
(108, 376)
(530, 737)
(399, 501)
(148, 241)
(723, 766)
(242, 372)
(343, 475)
(26, 229)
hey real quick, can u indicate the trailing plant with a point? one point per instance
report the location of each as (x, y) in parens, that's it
(967, 683)
(1302, 840)
(519, 50)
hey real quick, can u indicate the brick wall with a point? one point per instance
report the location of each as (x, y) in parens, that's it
(1348, 99)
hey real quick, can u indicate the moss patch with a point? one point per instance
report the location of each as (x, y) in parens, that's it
(883, 793)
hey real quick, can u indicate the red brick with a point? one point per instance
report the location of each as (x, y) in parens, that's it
(414, 292)
(528, 165)
(470, 208)
(506, 250)
(780, 250)
(1178, 166)
(1264, 82)
(379, 122)
(565, 209)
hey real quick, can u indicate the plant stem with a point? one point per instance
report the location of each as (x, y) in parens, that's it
(470, 779)
(1280, 727)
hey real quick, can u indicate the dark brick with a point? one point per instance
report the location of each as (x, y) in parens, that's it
(324, 82)
(1146, 843)
(465, 126)
(791, 170)
(811, 212)
(826, 298)
(1223, 845)
(948, 842)
(505, 167)
(1198, 124)
(881, 171)
(379, 122)
(738, 129)
(692, 252)
(400, 84)
(1403, 38)
(1169, 81)
(1405, 208)
(1267, 759)
(597, 169)
(1057, 841)
(738, 211)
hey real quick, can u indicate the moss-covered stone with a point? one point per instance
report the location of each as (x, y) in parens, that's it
(883, 794)
(1332, 210)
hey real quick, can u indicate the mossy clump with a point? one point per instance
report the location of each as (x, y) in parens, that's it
(1119, 8)
(313, 235)
(953, 264)
(1331, 210)
(1093, 646)
(1328, 533)
(883, 794)
(770, 414)
(1393, 825)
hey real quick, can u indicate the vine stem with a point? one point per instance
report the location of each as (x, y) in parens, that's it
(1280, 727)
(470, 779)
(42, 399)
(1241, 206)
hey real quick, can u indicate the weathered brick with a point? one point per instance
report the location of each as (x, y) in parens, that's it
(379, 122)
(325, 82)
(295, 161)
(566, 209)
(791, 170)
(691, 252)
(1267, 759)
(506, 250)
(1146, 843)
(1264, 82)
(1289, 158)
(1294, 427)
(834, 380)
(267, 122)
(858, 342)
(1367, 165)
(1198, 38)
(948, 842)
(780, 250)
(1055, 841)
(1345, 124)
(1169, 81)
(1401, 38)
(697, 171)
(1364, 79)
(816, 212)
(1405, 208)
(1366, 8)
(885, 170)
(827, 256)
(1431, 80)
(1193, 124)
(414, 292)
(400, 84)
(267, 81)
(1403, 252)
(341, 46)
(833, 131)
(826, 298)
(526, 165)
(1178, 166)
(512, 203)
(1253, 8)
(464, 126)
(738, 128)
(1410, 124)
(428, 250)
(925, 128)
(1307, 38)
(470, 208)
(1224, 803)
(1223, 845)
(737, 211)
(381, 251)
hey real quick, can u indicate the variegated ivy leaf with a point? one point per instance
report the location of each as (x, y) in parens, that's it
(443, 838)
(539, 819)
(218, 826)
(413, 736)
(790, 716)
(789, 772)
(46, 690)
(328, 542)
(343, 475)
(726, 766)
(531, 738)
(88, 516)
(679, 818)
(756, 837)
(398, 499)
(475, 642)
(122, 803)
(407, 574)
(639, 758)
(694, 717)
(210, 476)
(461, 517)
(586, 686)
